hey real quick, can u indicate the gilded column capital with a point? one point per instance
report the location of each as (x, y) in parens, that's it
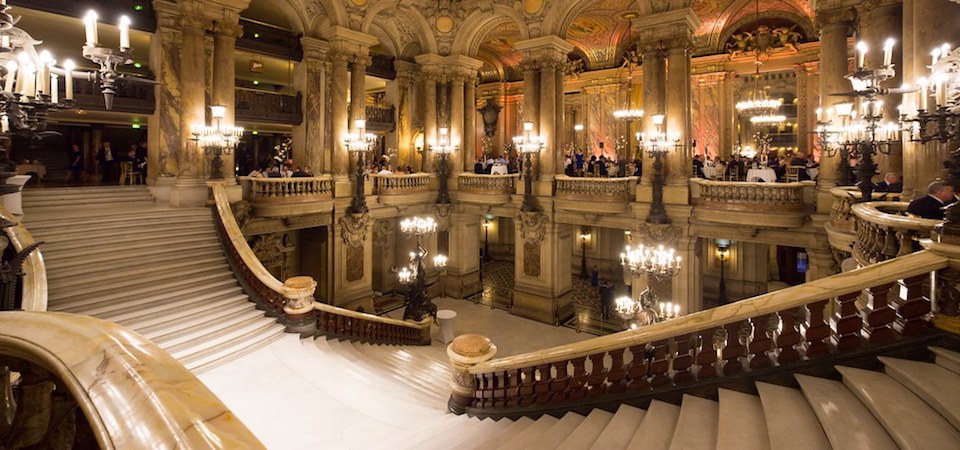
(406, 71)
(195, 24)
(226, 29)
(339, 56)
(362, 59)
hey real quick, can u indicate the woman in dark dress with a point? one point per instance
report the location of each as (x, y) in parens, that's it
(76, 172)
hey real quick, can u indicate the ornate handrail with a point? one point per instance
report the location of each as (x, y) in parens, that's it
(293, 299)
(841, 215)
(260, 106)
(757, 333)
(747, 196)
(132, 393)
(34, 268)
(487, 184)
(401, 183)
(884, 232)
(300, 189)
(592, 189)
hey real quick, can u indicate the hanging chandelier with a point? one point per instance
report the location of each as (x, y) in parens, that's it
(759, 107)
(659, 264)
(31, 87)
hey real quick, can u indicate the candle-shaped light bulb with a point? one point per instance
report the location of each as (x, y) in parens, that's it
(861, 53)
(922, 82)
(68, 67)
(658, 119)
(935, 55)
(944, 50)
(11, 76)
(528, 126)
(124, 32)
(888, 51)
(54, 88)
(90, 25)
(819, 114)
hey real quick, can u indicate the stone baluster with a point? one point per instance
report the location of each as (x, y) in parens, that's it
(298, 305)
(464, 352)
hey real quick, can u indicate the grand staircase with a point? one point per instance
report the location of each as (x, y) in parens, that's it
(113, 254)
(909, 404)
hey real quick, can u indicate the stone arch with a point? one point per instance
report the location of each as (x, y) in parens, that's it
(387, 41)
(334, 14)
(721, 36)
(477, 25)
(415, 22)
(559, 18)
(292, 10)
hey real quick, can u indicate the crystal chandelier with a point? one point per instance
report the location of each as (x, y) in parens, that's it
(758, 106)
(216, 140)
(659, 264)
(31, 87)
(359, 142)
(443, 148)
(414, 275)
(628, 115)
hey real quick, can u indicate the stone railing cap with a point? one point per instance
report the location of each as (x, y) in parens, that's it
(471, 345)
(300, 283)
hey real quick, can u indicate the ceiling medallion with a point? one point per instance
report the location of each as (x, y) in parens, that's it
(444, 24)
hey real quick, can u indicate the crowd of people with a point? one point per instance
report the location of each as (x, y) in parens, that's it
(736, 166)
(109, 161)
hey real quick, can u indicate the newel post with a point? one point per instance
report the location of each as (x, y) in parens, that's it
(298, 303)
(466, 351)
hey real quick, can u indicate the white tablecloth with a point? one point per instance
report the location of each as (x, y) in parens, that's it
(711, 171)
(813, 172)
(499, 169)
(39, 169)
(766, 174)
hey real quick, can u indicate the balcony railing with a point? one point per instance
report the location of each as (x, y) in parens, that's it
(780, 205)
(261, 106)
(883, 231)
(381, 119)
(403, 189)
(280, 197)
(841, 228)
(486, 189)
(131, 97)
(587, 194)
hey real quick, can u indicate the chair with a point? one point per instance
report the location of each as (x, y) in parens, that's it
(128, 174)
(793, 173)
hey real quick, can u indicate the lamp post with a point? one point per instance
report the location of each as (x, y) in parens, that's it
(656, 147)
(584, 235)
(723, 248)
(528, 144)
(414, 275)
(359, 142)
(658, 264)
(443, 149)
(486, 240)
(217, 140)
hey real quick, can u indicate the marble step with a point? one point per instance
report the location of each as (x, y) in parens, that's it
(419, 373)
(175, 333)
(112, 266)
(82, 189)
(464, 436)
(529, 436)
(82, 198)
(132, 240)
(845, 420)
(656, 430)
(618, 432)
(790, 423)
(136, 275)
(741, 422)
(142, 218)
(937, 386)
(696, 425)
(121, 231)
(130, 307)
(947, 359)
(134, 289)
(408, 438)
(557, 433)
(114, 248)
(38, 204)
(910, 421)
(234, 346)
(494, 441)
(144, 318)
(448, 436)
(215, 333)
(589, 430)
(126, 258)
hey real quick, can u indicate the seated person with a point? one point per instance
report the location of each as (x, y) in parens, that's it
(602, 162)
(891, 183)
(592, 165)
(930, 206)
(800, 159)
(637, 167)
(735, 167)
(698, 167)
(478, 166)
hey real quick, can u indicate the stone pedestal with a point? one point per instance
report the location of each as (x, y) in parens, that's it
(189, 193)
(542, 286)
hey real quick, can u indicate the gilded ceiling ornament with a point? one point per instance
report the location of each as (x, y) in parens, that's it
(763, 42)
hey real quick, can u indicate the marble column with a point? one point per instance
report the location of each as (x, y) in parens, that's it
(807, 104)
(358, 90)
(310, 78)
(531, 91)
(190, 189)
(406, 76)
(463, 265)
(678, 162)
(548, 129)
(164, 138)
(559, 124)
(339, 82)
(654, 76)
(820, 264)
(834, 28)
(469, 140)
(429, 116)
(226, 32)
(456, 162)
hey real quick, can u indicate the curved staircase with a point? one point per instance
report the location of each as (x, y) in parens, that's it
(113, 254)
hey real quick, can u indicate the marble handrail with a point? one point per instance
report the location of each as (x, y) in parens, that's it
(487, 184)
(34, 269)
(739, 195)
(617, 189)
(401, 183)
(841, 216)
(884, 232)
(132, 393)
(294, 298)
(619, 362)
(300, 189)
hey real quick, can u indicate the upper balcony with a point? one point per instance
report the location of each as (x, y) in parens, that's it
(753, 203)
(597, 195)
(268, 107)
(487, 189)
(283, 197)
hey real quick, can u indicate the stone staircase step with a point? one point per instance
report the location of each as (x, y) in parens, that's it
(111, 266)
(129, 307)
(125, 230)
(446, 437)
(133, 240)
(934, 384)
(108, 291)
(114, 248)
(421, 375)
(36, 200)
(83, 189)
(377, 378)
(656, 430)
(90, 305)
(790, 422)
(486, 427)
(617, 434)
(495, 441)
(697, 424)
(947, 359)
(170, 334)
(910, 421)
(413, 437)
(845, 421)
(36, 205)
(74, 261)
(741, 424)
(557, 433)
(531, 434)
(588, 431)
(79, 225)
(141, 318)
(200, 359)
(80, 283)
(215, 333)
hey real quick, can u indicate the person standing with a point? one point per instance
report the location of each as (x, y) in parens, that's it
(108, 164)
(75, 170)
(930, 206)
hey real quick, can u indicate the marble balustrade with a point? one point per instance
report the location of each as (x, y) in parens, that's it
(283, 197)
(486, 189)
(34, 296)
(774, 329)
(753, 202)
(401, 183)
(883, 231)
(841, 227)
(594, 194)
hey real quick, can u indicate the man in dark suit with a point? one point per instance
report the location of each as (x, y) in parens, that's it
(107, 158)
(891, 183)
(930, 206)
(698, 167)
